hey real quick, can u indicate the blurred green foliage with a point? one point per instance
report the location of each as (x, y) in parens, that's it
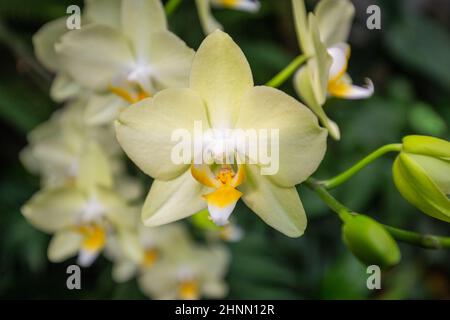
(408, 62)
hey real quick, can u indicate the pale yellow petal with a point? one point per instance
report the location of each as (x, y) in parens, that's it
(44, 43)
(64, 88)
(171, 60)
(94, 168)
(279, 207)
(301, 142)
(55, 209)
(124, 270)
(105, 12)
(173, 200)
(334, 18)
(221, 75)
(95, 55)
(145, 130)
(140, 18)
(302, 85)
(63, 245)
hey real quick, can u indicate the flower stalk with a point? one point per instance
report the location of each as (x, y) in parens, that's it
(406, 236)
(284, 74)
(171, 6)
(347, 174)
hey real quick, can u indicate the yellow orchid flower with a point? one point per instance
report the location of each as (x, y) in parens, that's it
(191, 274)
(207, 20)
(322, 37)
(222, 96)
(133, 60)
(139, 250)
(80, 214)
(63, 88)
(57, 147)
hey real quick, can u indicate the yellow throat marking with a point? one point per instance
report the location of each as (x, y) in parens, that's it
(225, 183)
(188, 289)
(150, 257)
(94, 236)
(127, 96)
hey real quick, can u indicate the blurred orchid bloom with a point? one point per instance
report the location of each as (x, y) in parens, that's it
(322, 38)
(133, 60)
(102, 108)
(139, 250)
(82, 214)
(188, 274)
(207, 20)
(222, 96)
(104, 12)
(57, 146)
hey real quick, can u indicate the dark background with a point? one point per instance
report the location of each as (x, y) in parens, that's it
(408, 61)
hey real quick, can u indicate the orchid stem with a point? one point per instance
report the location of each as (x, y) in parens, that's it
(344, 176)
(345, 213)
(171, 6)
(284, 74)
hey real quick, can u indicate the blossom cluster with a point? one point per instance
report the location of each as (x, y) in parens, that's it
(127, 84)
(89, 202)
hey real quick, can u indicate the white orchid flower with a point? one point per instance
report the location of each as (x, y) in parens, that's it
(190, 274)
(322, 37)
(222, 96)
(133, 60)
(207, 20)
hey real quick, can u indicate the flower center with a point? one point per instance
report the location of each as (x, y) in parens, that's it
(188, 289)
(93, 210)
(133, 95)
(222, 201)
(150, 257)
(94, 237)
(221, 144)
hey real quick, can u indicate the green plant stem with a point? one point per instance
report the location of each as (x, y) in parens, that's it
(284, 74)
(344, 176)
(171, 6)
(344, 213)
(421, 240)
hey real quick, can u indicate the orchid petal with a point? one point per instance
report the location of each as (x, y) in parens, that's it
(279, 207)
(301, 142)
(221, 75)
(95, 55)
(145, 130)
(173, 200)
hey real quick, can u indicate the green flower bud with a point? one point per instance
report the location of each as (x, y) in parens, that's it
(370, 242)
(422, 175)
